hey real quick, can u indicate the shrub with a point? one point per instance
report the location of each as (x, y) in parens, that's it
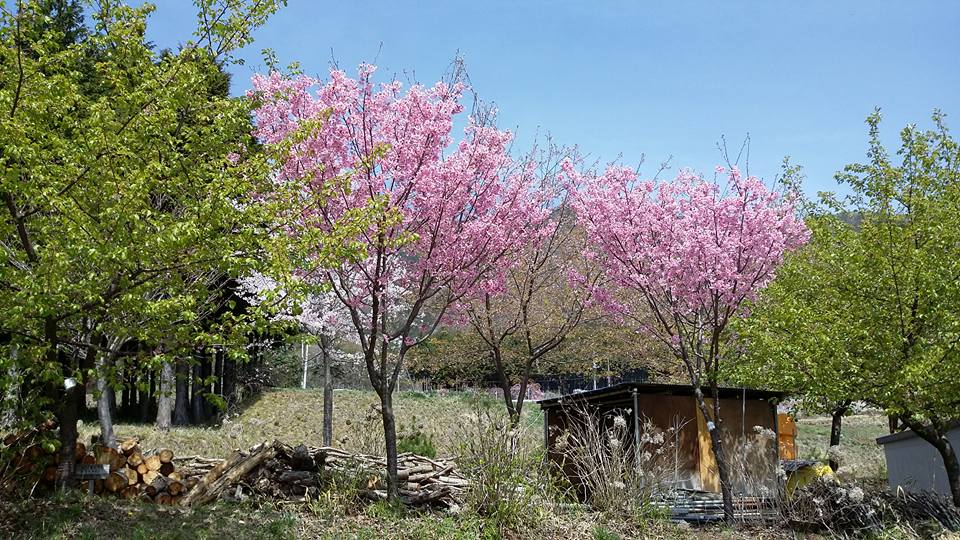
(608, 467)
(505, 482)
(412, 439)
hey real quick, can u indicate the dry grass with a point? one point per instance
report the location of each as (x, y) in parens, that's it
(296, 416)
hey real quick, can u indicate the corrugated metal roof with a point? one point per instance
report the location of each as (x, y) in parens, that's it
(623, 390)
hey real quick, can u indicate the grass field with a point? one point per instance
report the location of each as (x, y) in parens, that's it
(294, 416)
(862, 457)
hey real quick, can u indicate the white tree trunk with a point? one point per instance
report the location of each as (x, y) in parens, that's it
(165, 401)
(303, 352)
(104, 413)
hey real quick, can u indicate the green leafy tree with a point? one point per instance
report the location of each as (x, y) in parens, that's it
(111, 195)
(792, 341)
(871, 310)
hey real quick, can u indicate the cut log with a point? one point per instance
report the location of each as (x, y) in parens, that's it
(149, 477)
(165, 455)
(134, 459)
(132, 476)
(217, 480)
(175, 487)
(164, 498)
(129, 446)
(99, 451)
(79, 451)
(115, 482)
(301, 460)
(49, 474)
(130, 492)
(153, 463)
(160, 483)
(119, 461)
(166, 468)
(175, 476)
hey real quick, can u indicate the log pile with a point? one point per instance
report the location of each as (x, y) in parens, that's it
(423, 481)
(30, 453)
(148, 476)
(276, 471)
(282, 472)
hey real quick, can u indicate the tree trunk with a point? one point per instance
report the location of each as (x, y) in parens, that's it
(104, 402)
(835, 427)
(952, 465)
(327, 392)
(304, 353)
(716, 443)
(67, 418)
(893, 423)
(143, 399)
(206, 373)
(81, 396)
(504, 382)
(229, 379)
(125, 394)
(522, 394)
(65, 405)
(166, 397)
(181, 410)
(196, 396)
(390, 437)
(218, 371)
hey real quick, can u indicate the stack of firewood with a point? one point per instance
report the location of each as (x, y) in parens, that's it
(283, 472)
(423, 481)
(149, 476)
(28, 456)
(276, 470)
(133, 472)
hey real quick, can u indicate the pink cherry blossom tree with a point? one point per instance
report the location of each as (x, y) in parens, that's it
(695, 252)
(445, 214)
(316, 312)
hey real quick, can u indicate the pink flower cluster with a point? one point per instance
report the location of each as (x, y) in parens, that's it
(454, 210)
(688, 245)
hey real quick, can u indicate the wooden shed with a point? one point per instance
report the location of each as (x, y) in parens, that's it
(747, 414)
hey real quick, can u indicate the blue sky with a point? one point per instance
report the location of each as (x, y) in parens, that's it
(660, 79)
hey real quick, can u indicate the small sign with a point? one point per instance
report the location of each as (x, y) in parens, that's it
(88, 472)
(85, 471)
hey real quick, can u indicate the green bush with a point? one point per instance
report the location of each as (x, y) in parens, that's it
(411, 438)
